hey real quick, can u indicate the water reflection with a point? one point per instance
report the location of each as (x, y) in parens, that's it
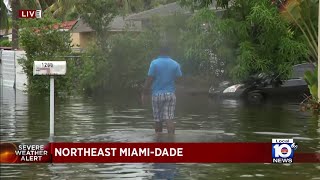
(14, 108)
(122, 119)
(164, 170)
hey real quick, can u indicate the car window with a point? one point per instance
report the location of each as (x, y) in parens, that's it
(299, 70)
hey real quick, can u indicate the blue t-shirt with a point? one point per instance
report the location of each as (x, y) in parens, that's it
(164, 71)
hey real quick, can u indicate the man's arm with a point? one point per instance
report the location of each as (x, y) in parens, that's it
(147, 84)
(151, 74)
(146, 87)
(179, 80)
(178, 75)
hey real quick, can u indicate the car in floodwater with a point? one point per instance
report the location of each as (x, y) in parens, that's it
(261, 87)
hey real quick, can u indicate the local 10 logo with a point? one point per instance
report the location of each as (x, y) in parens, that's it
(283, 150)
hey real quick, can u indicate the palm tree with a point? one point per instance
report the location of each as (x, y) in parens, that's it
(16, 4)
(318, 50)
(30, 4)
(15, 27)
(4, 18)
(61, 8)
(303, 13)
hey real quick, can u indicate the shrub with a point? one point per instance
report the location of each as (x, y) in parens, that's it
(5, 43)
(42, 42)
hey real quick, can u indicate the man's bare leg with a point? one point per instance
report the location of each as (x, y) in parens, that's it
(170, 126)
(158, 127)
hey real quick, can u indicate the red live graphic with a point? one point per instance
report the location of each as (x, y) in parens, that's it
(30, 13)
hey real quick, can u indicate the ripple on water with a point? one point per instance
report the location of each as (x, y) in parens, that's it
(302, 138)
(247, 176)
(276, 133)
(147, 135)
(133, 110)
(126, 117)
(185, 118)
(194, 115)
(138, 109)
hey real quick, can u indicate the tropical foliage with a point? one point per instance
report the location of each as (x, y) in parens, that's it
(199, 4)
(5, 43)
(98, 14)
(42, 42)
(123, 67)
(244, 40)
(303, 14)
(311, 102)
(312, 81)
(124, 63)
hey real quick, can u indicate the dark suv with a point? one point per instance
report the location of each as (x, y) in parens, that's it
(262, 86)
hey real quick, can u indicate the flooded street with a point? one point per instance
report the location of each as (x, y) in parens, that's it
(122, 118)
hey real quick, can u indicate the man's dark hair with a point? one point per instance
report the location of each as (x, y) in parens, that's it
(164, 50)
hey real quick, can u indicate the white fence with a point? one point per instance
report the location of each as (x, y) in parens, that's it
(11, 73)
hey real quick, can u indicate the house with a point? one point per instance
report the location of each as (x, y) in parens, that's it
(83, 34)
(145, 17)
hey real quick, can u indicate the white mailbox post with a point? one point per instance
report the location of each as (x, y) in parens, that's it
(50, 68)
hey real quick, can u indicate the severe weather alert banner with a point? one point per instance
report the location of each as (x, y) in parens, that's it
(154, 153)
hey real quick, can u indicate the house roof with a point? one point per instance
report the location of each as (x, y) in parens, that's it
(162, 10)
(118, 24)
(81, 26)
(169, 9)
(65, 25)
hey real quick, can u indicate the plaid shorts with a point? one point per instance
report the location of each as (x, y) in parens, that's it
(163, 105)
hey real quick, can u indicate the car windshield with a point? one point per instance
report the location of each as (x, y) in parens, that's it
(299, 70)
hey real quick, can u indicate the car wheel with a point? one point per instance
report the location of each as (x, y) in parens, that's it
(255, 97)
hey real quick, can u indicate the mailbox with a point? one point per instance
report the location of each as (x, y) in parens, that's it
(49, 67)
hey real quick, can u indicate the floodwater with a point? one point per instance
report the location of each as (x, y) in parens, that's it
(123, 119)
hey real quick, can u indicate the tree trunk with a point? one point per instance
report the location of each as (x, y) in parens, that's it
(15, 26)
(319, 53)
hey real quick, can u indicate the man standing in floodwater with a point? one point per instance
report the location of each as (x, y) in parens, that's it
(162, 74)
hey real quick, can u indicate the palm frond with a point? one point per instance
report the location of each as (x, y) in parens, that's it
(298, 12)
